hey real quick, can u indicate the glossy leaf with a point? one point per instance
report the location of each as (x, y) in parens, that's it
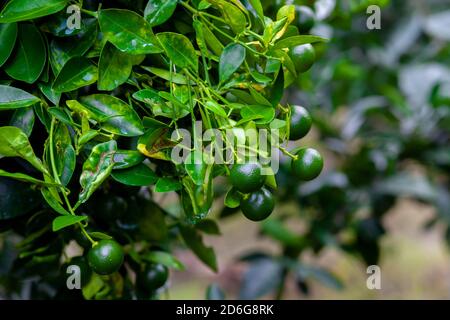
(97, 168)
(23, 119)
(256, 4)
(13, 98)
(179, 49)
(232, 198)
(66, 221)
(78, 72)
(52, 202)
(114, 115)
(24, 178)
(65, 157)
(139, 175)
(167, 185)
(114, 68)
(164, 258)
(21, 10)
(28, 59)
(231, 59)
(128, 31)
(297, 40)
(61, 114)
(159, 11)
(232, 14)
(124, 159)
(8, 35)
(196, 167)
(216, 108)
(165, 74)
(14, 143)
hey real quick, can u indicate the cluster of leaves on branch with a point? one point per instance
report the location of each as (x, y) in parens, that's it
(91, 93)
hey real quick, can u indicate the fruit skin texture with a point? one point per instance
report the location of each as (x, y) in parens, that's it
(300, 123)
(303, 57)
(153, 277)
(306, 18)
(308, 165)
(247, 177)
(106, 257)
(258, 205)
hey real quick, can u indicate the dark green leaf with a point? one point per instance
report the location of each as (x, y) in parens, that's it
(139, 175)
(66, 221)
(194, 241)
(159, 11)
(52, 202)
(231, 59)
(78, 72)
(261, 278)
(179, 49)
(128, 31)
(124, 159)
(21, 10)
(23, 119)
(114, 115)
(61, 115)
(17, 198)
(165, 74)
(8, 35)
(97, 168)
(265, 113)
(167, 185)
(65, 157)
(12, 98)
(28, 59)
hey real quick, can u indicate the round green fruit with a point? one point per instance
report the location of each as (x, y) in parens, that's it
(300, 123)
(153, 277)
(106, 257)
(303, 56)
(247, 177)
(258, 205)
(306, 18)
(308, 165)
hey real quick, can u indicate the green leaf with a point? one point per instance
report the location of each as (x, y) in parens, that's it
(61, 114)
(139, 175)
(114, 115)
(195, 167)
(216, 108)
(208, 226)
(159, 11)
(100, 235)
(17, 198)
(78, 72)
(124, 159)
(66, 221)
(179, 49)
(14, 143)
(297, 40)
(28, 60)
(164, 258)
(114, 67)
(165, 74)
(167, 185)
(49, 93)
(259, 98)
(24, 178)
(22, 10)
(8, 35)
(265, 113)
(232, 15)
(23, 119)
(65, 156)
(194, 241)
(128, 31)
(233, 55)
(256, 4)
(12, 98)
(97, 168)
(232, 198)
(276, 230)
(52, 202)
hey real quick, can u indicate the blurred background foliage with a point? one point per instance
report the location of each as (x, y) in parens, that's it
(381, 106)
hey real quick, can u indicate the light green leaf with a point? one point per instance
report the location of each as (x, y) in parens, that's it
(232, 15)
(297, 40)
(167, 185)
(66, 221)
(164, 258)
(165, 74)
(231, 59)
(265, 113)
(12, 98)
(179, 49)
(52, 202)
(97, 168)
(25, 178)
(14, 143)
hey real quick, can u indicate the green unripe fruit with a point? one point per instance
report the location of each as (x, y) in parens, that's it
(153, 277)
(305, 18)
(300, 123)
(308, 165)
(258, 205)
(303, 56)
(106, 257)
(247, 177)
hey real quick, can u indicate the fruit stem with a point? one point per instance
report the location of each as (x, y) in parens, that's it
(286, 152)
